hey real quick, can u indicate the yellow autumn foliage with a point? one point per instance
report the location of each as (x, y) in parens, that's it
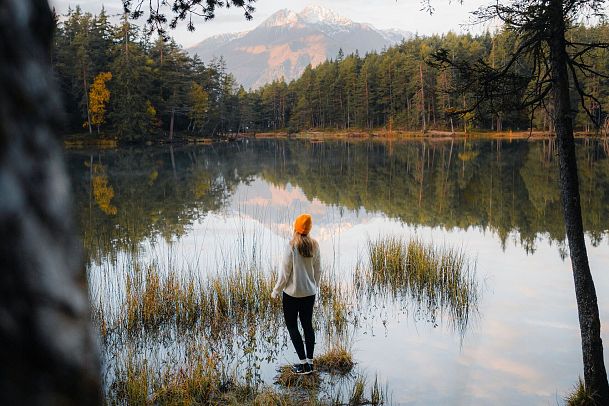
(153, 177)
(468, 155)
(102, 190)
(99, 95)
(150, 110)
(200, 104)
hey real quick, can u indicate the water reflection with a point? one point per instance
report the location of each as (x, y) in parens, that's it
(129, 195)
(145, 205)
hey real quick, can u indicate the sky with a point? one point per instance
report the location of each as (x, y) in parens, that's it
(449, 15)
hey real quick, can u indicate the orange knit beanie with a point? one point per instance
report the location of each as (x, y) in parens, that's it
(303, 224)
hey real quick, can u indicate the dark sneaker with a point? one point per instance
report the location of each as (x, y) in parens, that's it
(308, 368)
(300, 369)
(311, 367)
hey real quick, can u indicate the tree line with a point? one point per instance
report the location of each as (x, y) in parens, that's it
(122, 81)
(118, 79)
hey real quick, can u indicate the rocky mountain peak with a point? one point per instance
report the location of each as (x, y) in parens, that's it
(318, 14)
(287, 42)
(281, 18)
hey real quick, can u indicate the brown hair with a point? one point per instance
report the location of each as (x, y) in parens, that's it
(304, 244)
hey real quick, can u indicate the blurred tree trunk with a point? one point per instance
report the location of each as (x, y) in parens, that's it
(47, 351)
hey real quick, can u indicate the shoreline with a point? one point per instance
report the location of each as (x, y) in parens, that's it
(76, 141)
(432, 135)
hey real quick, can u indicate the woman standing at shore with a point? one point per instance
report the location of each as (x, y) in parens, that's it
(299, 280)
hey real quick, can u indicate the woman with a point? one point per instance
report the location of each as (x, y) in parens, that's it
(299, 281)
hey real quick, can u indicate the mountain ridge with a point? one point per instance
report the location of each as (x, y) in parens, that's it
(286, 42)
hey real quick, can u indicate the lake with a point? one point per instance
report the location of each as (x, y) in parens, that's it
(209, 209)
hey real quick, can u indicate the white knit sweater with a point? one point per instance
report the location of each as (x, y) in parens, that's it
(299, 276)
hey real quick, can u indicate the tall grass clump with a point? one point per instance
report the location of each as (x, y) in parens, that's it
(388, 260)
(336, 360)
(438, 279)
(580, 396)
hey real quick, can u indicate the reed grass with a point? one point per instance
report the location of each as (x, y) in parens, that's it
(580, 396)
(132, 386)
(357, 391)
(174, 312)
(154, 302)
(438, 279)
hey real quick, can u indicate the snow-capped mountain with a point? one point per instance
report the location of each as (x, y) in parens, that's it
(322, 15)
(286, 42)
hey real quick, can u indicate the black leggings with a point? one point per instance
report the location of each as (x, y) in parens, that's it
(293, 307)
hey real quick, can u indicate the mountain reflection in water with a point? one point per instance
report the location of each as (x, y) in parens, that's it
(128, 195)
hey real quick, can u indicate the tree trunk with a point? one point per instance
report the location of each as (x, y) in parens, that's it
(595, 375)
(422, 96)
(84, 80)
(171, 124)
(47, 350)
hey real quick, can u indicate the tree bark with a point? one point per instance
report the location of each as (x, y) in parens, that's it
(47, 351)
(595, 375)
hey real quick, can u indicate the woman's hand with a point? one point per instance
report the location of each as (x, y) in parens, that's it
(274, 295)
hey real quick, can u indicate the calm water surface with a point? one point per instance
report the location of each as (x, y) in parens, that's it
(202, 207)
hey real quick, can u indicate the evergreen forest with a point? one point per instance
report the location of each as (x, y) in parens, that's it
(118, 80)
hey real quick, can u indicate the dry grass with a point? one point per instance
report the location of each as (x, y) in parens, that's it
(197, 383)
(336, 360)
(289, 379)
(136, 384)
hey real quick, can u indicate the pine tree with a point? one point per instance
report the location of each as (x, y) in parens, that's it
(199, 102)
(132, 114)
